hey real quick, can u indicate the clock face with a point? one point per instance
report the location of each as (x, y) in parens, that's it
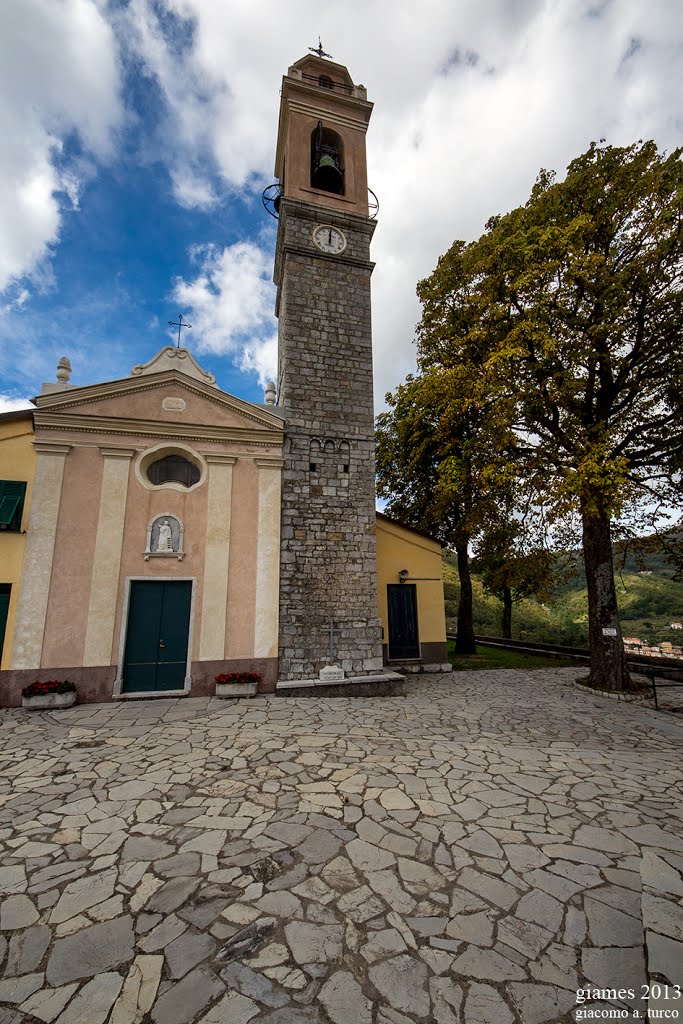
(329, 239)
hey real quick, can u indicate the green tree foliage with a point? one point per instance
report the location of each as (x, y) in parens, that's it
(442, 458)
(513, 565)
(570, 308)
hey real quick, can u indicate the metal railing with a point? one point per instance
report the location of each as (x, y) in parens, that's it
(328, 83)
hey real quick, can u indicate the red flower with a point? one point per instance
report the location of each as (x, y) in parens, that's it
(237, 677)
(43, 687)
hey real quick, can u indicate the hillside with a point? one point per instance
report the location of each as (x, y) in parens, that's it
(647, 606)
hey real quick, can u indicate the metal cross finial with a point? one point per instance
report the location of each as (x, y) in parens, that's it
(319, 50)
(179, 324)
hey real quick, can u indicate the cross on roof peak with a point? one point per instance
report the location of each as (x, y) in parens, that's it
(179, 324)
(319, 50)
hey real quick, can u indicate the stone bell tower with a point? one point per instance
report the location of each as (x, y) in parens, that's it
(328, 581)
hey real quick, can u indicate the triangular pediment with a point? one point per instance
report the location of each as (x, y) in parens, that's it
(165, 399)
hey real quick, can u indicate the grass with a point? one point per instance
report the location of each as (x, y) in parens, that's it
(497, 658)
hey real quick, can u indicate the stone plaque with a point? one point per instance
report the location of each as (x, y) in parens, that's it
(331, 674)
(173, 404)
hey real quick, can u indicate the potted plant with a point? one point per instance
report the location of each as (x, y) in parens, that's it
(54, 693)
(237, 684)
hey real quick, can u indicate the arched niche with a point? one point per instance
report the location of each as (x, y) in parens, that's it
(327, 160)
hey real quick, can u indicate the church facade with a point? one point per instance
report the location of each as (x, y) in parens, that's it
(177, 532)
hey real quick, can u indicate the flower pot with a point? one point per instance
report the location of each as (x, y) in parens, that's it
(236, 689)
(48, 701)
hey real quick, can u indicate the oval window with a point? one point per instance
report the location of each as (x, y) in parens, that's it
(173, 469)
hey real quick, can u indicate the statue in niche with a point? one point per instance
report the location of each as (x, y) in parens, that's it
(165, 542)
(165, 537)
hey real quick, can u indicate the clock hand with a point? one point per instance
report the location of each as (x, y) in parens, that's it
(329, 237)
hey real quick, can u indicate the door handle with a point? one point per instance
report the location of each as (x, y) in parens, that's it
(162, 643)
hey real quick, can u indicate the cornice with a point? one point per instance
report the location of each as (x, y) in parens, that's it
(273, 435)
(349, 261)
(149, 382)
(313, 211)
(220, 460)
(118, 453)
(52, 447)
(333, 116)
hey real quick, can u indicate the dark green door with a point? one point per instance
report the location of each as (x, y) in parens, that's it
(402, 602)
(5, 591)
(157, 635)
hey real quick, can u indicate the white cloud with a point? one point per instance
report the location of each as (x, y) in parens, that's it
(192, 191)
(260, 357)
(230, 305)
(9, 403)
(58, 75)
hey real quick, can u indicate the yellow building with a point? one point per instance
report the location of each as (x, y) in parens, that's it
(410, 596)
(17, 466)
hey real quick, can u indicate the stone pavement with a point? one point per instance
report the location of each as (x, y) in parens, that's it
(473, 853)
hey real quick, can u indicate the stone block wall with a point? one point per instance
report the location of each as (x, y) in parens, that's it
(328, 558)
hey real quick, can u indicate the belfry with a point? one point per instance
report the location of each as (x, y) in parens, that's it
(328, 580)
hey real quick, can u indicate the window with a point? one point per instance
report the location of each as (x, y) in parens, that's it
(326, 82)
(12, 494)
(173, 468)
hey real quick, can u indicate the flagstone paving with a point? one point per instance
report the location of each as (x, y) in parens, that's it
(472, 853)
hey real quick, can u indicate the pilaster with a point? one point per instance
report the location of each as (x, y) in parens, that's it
(217, 558)
(34, 594)
(268, 558)
(99, 636)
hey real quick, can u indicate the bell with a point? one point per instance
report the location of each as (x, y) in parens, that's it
(328, 177)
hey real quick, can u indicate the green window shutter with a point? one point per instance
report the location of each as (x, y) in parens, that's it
(8, 510)
(12, 493)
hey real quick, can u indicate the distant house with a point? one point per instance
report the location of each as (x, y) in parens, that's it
(645, 572)
(676, 625)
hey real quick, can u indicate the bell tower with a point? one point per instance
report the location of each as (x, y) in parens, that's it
(328, 582)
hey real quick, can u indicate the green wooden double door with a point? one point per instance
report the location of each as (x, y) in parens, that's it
(157, 635)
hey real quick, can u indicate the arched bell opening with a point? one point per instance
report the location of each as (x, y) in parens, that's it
(327, 160)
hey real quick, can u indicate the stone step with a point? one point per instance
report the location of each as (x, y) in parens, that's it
(386, 684)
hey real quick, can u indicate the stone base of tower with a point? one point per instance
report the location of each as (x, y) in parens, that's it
(306, 645)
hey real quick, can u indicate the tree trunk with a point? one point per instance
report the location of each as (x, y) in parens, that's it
(507, 613)
(464, 641)
(608, 663)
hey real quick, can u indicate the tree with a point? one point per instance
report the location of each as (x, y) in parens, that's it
(513, 567)
(571, 306)
(441, 461)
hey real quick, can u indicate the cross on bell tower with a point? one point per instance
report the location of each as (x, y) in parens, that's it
(322, 273)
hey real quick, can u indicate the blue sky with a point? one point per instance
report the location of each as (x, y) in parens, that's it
(139, 134)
